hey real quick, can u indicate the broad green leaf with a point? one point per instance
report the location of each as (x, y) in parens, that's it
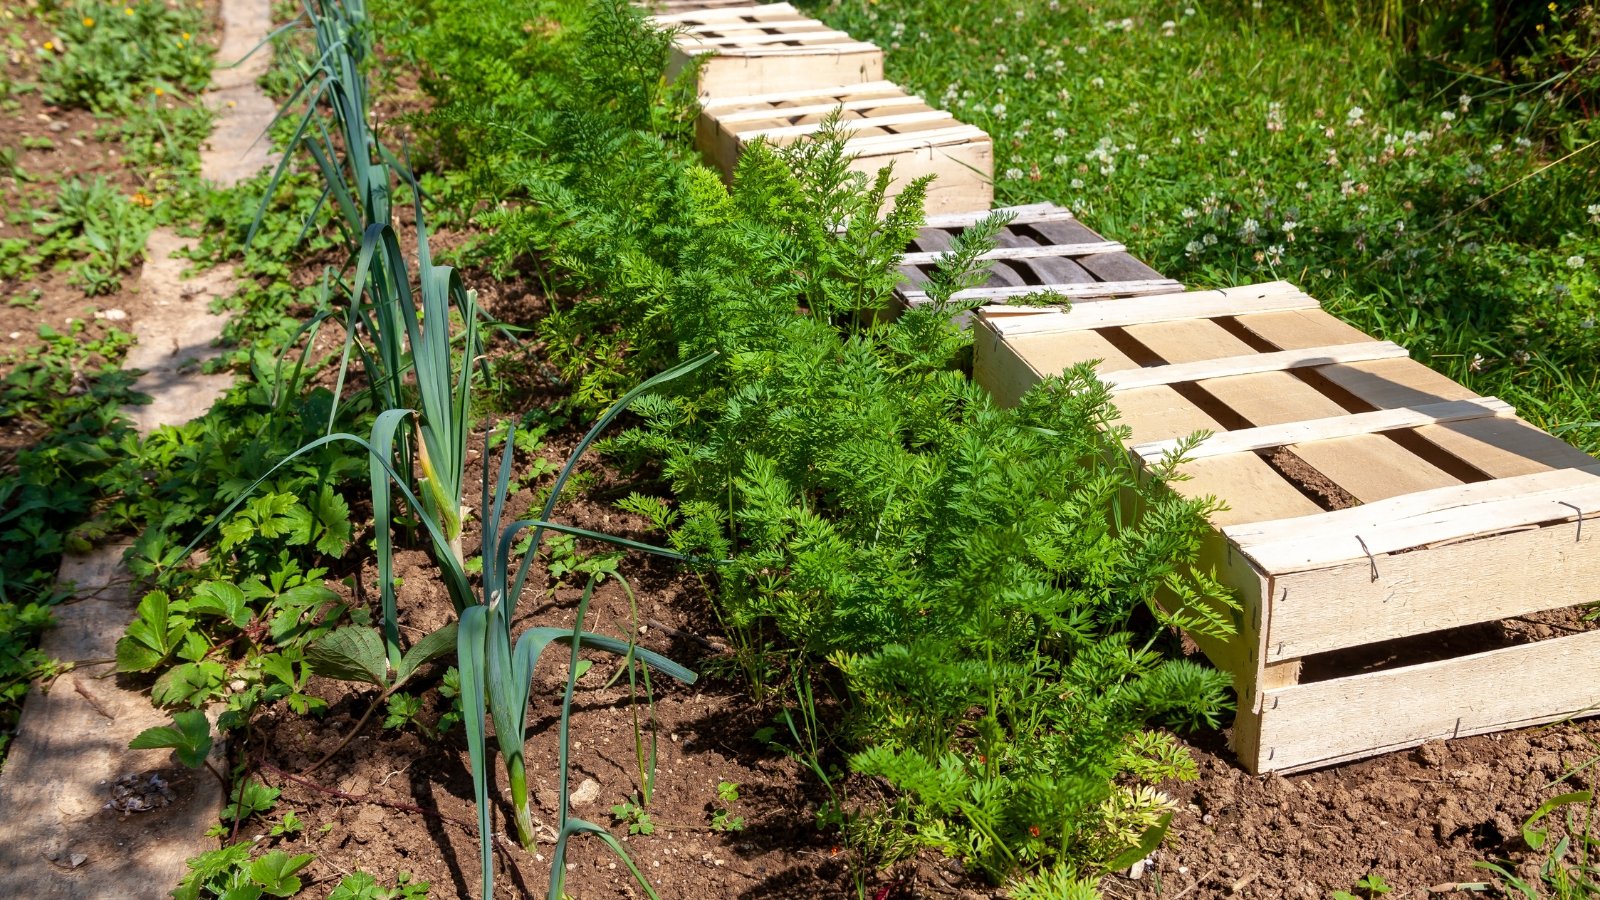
(152, 636)
(274, 871)
(189, 736)
(429, 648)
(1536, 837)
(220, 598)
(188, 684)
(350, 653)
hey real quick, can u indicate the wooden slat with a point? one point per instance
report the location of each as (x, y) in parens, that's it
(1277, 295)
(807, 50)
(1178, 373)
(1249, 487)
(753, 41)
(1032, 212)
(1068, 291)
(766, 113)
(1036, 251)
(1287, 433)
(1361, 715)
(732, 13)
(1419, 519)
(846, 125)
(895, 143)
(751, 101)
(1496, 577)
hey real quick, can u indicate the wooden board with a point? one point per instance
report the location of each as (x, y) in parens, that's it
(766, 49)
(1496, 577)
(1329, 721)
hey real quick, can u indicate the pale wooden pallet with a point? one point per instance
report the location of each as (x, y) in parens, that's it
(765, 49)
(886, 127)
(1044, 248)
(1462, 514)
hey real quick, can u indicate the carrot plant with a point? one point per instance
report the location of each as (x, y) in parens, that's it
(969, 582)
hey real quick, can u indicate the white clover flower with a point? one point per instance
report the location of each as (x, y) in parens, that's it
(1249, 230)
(1594, 213)
(1209, 240)
(1523, 142)
(1575, 262)
(1061, 159)
(1177, 141)
(1289, 226)
(1143, 158)
(1169, 28)
(1013, 174)
(1001, 68)
(999, 110)
(1081, 49)
(1188, 11)
(1189, 213)
(1496, 148)
(1193, 248)
(1097, 81)
(1354, 116)
(1275, 254)
(1274, 116)
(1464, 101)
(1077, 184)
(1301, 185)
(1447, 116)
(1059, 134)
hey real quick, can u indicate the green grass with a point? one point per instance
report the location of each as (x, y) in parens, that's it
(1227, 144)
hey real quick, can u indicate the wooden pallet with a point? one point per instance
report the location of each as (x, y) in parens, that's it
(886, 125)
(1044, 248)
(1383, 521)
(766, 49)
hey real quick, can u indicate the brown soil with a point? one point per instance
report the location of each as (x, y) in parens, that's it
(1420, 818)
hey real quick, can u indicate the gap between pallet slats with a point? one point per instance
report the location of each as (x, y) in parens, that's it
(761, 100)
(1082, 290)
(763, 113)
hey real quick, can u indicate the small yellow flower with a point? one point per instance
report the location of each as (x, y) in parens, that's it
(140, 199)
(88, 22)
(50, 45)
(127, 10)
(186, 35)
(159, 92)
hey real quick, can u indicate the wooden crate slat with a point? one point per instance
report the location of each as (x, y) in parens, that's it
(1447, 586)
(1035, 252)
(1419, 519)
(733, 108)
(765, 113)
(1032, 212)
(1069, 291)
(1163, 308)
(1316, 724)
(799, 33)
(911, 118)
(1177, 373)
(1283, 434)
(728, 13)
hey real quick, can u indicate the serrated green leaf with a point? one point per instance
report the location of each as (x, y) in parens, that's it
(350, 654)
(274, 871)
(220, 598)
(189, 736)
